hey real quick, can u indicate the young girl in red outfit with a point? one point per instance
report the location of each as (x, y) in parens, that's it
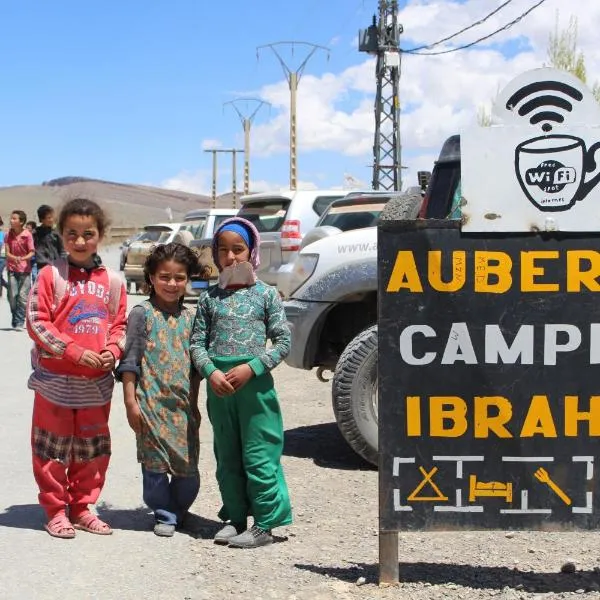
(76, 317)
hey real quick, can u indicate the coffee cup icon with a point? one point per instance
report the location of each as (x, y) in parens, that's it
(551, 170)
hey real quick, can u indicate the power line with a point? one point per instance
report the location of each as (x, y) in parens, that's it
(481, 39)
(450, 37)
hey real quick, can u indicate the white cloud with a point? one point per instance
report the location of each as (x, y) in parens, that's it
(194, 182)
(440, 95)
(211, 144)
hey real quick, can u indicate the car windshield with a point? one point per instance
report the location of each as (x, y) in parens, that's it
(196, 227)
(352, 216)
(153, 235)
(266, 215)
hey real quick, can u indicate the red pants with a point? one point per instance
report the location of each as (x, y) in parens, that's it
(71, 451)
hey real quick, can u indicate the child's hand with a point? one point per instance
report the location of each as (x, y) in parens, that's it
(108, 360)
(218, 382)
(239, 376)
(134, 417)
(92, 359)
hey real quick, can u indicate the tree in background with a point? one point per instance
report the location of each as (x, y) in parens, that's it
(563, 54)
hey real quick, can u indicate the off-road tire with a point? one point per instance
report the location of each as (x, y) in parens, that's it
(354, 382)
(402, 207)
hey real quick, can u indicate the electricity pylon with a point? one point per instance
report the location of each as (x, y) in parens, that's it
(233, 152)
(247, 120)
(293, 79)
(382, 39)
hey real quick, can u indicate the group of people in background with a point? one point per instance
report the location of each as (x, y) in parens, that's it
(24, 249)
(76, 317)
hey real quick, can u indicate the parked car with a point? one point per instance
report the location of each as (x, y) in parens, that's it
(283, 218)
(159, 233)
(357, 210)
(202, 244)
(332, 310)
(208, 220)
(125, 248)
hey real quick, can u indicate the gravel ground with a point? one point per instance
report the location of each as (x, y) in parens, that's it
(329, 552)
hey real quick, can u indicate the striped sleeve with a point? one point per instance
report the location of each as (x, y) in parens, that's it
(118, 328)
(40, 327)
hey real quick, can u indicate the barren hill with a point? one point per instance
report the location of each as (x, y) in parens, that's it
(128, 205)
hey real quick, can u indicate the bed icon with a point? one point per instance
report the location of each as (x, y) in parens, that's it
(490, 489)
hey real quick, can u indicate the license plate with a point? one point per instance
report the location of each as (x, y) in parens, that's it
(199, 285)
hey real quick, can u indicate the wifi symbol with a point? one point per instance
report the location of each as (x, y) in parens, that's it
(542, 108)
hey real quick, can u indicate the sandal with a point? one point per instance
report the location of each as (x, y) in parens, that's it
(89, 522)
(60, 527)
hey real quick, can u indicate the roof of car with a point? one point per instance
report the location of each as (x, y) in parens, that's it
(286, 193)
(219, 212)
(171, 226)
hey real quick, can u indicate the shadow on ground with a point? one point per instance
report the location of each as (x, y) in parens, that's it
(142, 519)
(23, 516)
(467, 576)
(324, 444)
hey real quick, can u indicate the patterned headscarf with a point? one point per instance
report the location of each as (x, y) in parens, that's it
(235, 223)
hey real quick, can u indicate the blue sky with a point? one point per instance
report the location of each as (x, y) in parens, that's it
(131, 90)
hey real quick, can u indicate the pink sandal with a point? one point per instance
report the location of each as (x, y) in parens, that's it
(60, 527)
(89, 522)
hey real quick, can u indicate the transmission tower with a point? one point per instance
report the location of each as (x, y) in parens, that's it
(246, 120)
(213, 195)
(293, 79)
(382, 39)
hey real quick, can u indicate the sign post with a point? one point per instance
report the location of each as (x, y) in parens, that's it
(489, 336)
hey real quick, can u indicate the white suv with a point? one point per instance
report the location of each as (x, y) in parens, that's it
(283, 218)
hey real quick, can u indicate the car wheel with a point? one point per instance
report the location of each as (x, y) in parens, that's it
(355, 394)
(400, 208)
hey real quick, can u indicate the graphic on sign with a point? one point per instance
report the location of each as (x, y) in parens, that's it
(542, 475)
(551, 170)
(535, 166)
(427, 480)
(491, 489)
(478, 489)
(488, 352)
(555, 96)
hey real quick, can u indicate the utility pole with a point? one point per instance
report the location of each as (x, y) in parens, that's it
(382, 39)
(233, 152)
(247, 120)
(293, 79)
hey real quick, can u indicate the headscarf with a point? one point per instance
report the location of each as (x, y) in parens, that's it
(251, 232)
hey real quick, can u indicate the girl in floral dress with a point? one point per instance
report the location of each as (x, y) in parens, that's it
(161, 389)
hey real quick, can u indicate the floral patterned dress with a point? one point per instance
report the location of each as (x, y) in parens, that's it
(166, 391)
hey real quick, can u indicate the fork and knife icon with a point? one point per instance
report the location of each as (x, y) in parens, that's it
(544, 477)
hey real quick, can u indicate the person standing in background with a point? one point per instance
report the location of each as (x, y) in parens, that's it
(19, 250)
(48, 243)
(3, 283)
(30, 226)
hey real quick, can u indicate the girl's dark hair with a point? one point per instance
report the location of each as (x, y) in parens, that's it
(176, 252)
(22, 216)
(84, 208)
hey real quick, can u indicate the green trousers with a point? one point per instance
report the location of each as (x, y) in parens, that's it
(248, 443)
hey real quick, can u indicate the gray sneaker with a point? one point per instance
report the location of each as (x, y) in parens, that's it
(251, 538)
(164, 530)
(229, 531)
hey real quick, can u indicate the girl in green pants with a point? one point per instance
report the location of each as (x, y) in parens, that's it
(234, 320)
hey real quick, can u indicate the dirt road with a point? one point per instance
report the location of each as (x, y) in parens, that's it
(329, 552)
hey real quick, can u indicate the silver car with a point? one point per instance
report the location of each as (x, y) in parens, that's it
(282, 219)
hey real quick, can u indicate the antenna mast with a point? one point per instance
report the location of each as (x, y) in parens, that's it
(382, 39)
